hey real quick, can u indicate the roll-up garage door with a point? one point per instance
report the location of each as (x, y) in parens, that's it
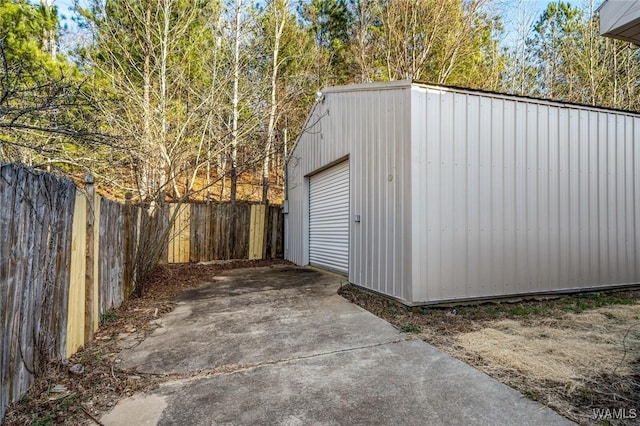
(329, 218)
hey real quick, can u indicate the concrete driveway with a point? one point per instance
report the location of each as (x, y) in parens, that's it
(278, 346)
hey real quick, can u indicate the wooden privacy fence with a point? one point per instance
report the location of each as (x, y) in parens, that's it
(67, 256)
(36, 212)
(205, 232)
(64, 261)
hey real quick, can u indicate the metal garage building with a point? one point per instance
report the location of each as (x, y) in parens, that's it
(430, 194)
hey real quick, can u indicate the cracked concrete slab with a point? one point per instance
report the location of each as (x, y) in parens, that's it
(154, 406)
(301, 317)
(356, 387)
(279, 346)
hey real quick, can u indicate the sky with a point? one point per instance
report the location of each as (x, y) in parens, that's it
(536, 6)
(514, 13)
(64, 6)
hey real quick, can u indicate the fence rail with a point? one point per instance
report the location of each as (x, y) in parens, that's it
(68, 256)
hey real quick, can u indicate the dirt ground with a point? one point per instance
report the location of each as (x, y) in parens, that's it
(81, 389)
(579, 355)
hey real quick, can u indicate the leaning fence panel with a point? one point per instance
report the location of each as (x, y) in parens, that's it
(35, 231)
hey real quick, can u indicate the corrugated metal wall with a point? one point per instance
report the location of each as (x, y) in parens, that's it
(520, 196)
(371, 128)
(464, 194)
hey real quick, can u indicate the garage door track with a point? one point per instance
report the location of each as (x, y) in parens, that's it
(277, 345)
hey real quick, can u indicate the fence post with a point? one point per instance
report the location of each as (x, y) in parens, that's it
(128, 260)
(76, 301)
(96, 262)
(265, 230)
(89, 253)
(257, 231)
(173, 249)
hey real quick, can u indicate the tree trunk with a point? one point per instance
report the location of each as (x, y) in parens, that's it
(278, 29)
(169, 167)
(236, 78)
(147, 164)
(49, 34)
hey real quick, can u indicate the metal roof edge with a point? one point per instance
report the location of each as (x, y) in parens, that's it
(600, 7)
(362, 87)
(369, 86)
(503, 95)
(399, 84)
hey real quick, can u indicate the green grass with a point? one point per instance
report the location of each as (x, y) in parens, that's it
(585, 302)
(530, 308)
(571, 304)
(108, 317)
(527, 310)
(410, 328)
(554, 306)
(43, 421)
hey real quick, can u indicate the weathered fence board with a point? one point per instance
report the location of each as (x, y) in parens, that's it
(275, 233)
(178, 245)
(96, 263)
(156, 228)
(111, 260)
(234, 231)
(35, 230)
(216, 231)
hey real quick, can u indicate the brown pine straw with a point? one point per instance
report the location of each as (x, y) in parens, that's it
(571, 362)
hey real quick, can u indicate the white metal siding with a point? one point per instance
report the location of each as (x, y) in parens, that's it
(329, 218)
(514, 196)
(620, 19)
(464, 194)
(372, 128)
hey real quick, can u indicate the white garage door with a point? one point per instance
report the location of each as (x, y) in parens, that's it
(329, 218)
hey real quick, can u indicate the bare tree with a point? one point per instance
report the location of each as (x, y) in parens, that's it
(146, 51)
(280, 12)
(235, 101)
